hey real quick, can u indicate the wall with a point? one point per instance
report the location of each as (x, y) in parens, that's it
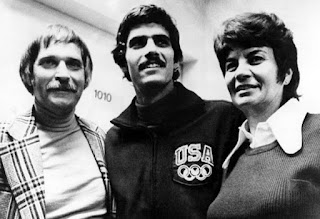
(197, 21)
(22, 21)
(301, 17)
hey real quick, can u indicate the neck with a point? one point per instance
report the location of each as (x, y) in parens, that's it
(152, 94)
(53, 118)
(259, 114)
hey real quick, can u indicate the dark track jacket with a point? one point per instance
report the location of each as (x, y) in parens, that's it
(172, 168)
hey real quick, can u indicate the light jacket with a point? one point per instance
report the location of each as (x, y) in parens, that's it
(22, 193)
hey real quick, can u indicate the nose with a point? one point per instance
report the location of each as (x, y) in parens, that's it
(62, 72)
(151, 49)
(242, 72)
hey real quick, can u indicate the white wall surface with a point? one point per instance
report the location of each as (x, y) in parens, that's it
(22, 21)
(300, 16)
(96, 22)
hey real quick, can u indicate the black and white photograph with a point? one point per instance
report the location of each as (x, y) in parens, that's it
(159, 109)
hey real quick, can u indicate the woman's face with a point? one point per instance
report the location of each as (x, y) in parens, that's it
(251, 77)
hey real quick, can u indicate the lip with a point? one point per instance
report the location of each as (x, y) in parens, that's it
(62, 90)
(152, 64)
(244, 87)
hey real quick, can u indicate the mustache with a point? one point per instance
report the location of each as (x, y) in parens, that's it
(62, 87)
(154, 60)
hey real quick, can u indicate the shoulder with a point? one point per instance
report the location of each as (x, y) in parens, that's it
(311, 122)
(224, 114)
(88, 125)
(8, 131)
(223, 104)
(113, 134)
(4, 125)
(311, 128)
(222, 107)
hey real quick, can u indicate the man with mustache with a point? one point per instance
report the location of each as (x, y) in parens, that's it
(164, 152)
(52, 162)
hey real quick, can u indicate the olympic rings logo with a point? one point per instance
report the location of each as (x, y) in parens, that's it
(194, 172)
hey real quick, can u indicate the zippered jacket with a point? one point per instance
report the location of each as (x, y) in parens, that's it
(164, 161)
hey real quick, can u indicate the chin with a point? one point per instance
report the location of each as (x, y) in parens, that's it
(156, 82)
(242, 101)
(63, 103)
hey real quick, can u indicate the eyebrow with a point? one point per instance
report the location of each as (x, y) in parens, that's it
(152, 36)
(250, 53)
(256, 51)
(59, 58)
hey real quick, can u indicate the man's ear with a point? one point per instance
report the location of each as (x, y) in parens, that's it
(87, 75)
(176, 71)
(288, 77)
(28, 77)
(125, 70)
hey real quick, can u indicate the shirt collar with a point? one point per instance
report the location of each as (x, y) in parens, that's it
(286, 126)
(263, 134)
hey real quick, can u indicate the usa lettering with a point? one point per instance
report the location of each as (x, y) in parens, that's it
(193, 153)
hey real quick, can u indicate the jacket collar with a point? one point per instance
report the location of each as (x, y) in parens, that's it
(182, 106)
(23, 125)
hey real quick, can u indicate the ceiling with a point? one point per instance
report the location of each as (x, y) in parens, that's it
(103, 14)
(107, 14)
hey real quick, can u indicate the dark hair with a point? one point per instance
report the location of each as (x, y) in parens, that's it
(145, 14)
(57, 34)
(261, 29)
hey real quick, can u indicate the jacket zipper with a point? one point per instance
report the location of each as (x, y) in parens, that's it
(154, 139)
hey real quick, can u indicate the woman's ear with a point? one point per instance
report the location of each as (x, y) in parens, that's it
(288, 77)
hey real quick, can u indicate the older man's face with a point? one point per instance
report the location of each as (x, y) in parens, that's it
(59, 77)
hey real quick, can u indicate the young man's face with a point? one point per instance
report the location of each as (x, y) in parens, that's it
(59, 77)
(149, 56)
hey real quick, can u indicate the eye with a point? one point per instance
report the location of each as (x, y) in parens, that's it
(137, 42)
(49, 62)
(231, 65)
(255, 60)
(74, 64)
(162, 41)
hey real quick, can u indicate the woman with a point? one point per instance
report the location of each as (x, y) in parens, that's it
(274, 169)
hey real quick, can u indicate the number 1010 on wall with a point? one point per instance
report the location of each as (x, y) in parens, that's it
(102, 95)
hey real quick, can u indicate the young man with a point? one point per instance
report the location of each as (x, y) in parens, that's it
(52, 162)
(164, 152)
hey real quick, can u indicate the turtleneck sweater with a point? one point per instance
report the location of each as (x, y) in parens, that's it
(73, 184)
(156, 113)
